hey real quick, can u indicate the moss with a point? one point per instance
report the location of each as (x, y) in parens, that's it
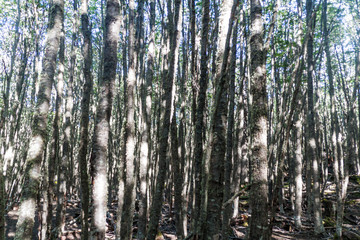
(329, 222)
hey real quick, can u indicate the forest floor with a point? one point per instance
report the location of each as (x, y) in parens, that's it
(284, 227)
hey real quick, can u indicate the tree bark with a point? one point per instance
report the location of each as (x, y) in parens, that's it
(200, 107)
(35, 153)
(129, 134)
(311, 142)
(102, 125)
(214, 187)
(55, 165)
(145, 145)
(167, 85)
(84, 119)
(228, 166)
(258, 228)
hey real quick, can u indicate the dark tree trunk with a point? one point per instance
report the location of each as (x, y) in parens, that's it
(200, 108)
(167, 85)
(311, 142)
(214, 187)
(228, 166)
(84, 119)
(54, 160)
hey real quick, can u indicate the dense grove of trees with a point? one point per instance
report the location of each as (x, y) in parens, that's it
(141, 111)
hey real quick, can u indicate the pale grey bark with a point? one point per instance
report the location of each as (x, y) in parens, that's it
(35, 154)
(145, 145)
(298, 170)
(129, 134)
(258, 228)
(102, 125)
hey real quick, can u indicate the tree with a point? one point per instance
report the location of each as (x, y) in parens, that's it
(35, 154)
(258, 228)
(129, 134)
(99, 154)
(200, 105)
(84, 122)
(217, 139)
(174, 21)
(311, 143)
(211, 103)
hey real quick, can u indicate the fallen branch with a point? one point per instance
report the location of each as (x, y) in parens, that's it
(241, 191)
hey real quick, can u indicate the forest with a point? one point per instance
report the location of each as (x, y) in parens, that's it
(180, 119)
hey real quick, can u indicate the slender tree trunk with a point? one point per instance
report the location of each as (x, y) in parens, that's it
(124, 22)
(102, 125)
(178, 178)
(311, 142)
(258, 127)
(37, 143)
(217, 139)
(84, 119)
(145, 145)
(63, 162)
(334, 127)
(200, 108)
(129, 134)
(298, 169)
(167, 85)
(228, 168)
(54, 159)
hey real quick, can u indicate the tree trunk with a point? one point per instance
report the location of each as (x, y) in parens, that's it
(99, 154)
(129, 134)
(84, 119)
(311, 142)
(298, 169)
(145, 145)
(228, 166)
(178, 177)
(167, 85)
(54, 160)
(258, 228)
(35, 154)
(217, 140)
(200, 107)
